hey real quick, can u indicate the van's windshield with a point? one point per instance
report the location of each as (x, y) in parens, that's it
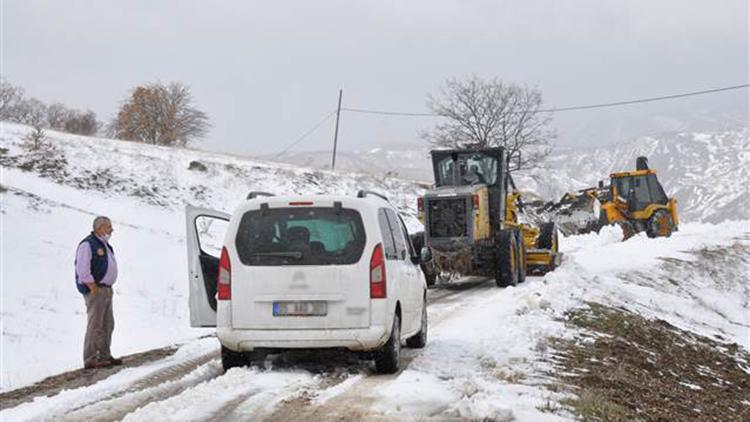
(300, 236)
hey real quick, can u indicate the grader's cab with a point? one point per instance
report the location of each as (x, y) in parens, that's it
(637, 202)
(471, 221)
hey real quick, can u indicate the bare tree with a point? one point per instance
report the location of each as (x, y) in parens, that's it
(160, 114)
(488, 113)
(30, 111)
(36, 117)
(10, 96)
(57, 113)
(81, 123)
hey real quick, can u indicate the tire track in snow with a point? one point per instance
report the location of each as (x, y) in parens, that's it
(354, 402)
(157, 386)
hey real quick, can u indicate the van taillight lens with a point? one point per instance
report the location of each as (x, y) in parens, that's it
(475, 201)
(377, 273)
(225, 276)
(420, 204)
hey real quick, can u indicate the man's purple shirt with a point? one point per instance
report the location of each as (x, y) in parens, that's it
(83, 265)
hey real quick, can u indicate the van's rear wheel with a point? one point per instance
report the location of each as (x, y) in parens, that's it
(387, 357)
(231, 359)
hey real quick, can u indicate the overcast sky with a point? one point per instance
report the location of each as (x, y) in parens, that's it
(266, 72)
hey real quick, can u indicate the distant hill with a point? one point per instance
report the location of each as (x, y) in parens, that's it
(708, 172)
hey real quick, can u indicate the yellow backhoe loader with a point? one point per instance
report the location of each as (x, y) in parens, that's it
(637, 202)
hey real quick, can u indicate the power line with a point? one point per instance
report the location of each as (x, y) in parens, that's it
(304, 135)
(388, 113)
(646, 100)
(560, 109)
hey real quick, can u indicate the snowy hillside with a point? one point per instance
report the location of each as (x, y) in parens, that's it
(402, 161)
(496, 354)
(49, 199)
(706, 172)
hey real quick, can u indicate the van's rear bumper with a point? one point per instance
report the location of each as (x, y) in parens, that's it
(355, 339)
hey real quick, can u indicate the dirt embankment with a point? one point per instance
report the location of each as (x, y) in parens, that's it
(627, 367)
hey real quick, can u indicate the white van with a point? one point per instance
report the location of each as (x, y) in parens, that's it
(309, 272)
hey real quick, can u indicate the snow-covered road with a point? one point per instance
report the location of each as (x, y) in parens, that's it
(487, 355)
(190, 385)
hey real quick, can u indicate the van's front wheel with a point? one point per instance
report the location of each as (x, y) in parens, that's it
(387, 357)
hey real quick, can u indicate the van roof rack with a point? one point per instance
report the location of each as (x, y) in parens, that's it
(255, 194)
(363, 193)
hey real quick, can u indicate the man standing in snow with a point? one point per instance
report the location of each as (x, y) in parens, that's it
(96, 272)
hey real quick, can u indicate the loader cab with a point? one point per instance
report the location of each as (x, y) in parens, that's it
(637, 189)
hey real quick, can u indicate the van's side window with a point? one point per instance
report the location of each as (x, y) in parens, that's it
(389, 247)
(409, 245)
(398, 234)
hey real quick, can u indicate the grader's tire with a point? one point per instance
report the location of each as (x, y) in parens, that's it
(548, 237)
(521, 257)
(660, 224)
(428, 268)
(506, 272)
(430, 273)
(417, 240)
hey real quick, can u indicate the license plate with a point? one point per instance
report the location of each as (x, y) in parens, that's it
(315, 308)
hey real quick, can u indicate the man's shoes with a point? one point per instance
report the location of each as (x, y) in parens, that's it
(115, 361)
(93, 364)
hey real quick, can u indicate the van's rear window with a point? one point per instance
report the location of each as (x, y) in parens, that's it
(300, 236)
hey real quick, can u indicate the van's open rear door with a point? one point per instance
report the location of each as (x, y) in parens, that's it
(205, 234)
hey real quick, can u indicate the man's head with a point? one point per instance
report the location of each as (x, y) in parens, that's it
(103, 227)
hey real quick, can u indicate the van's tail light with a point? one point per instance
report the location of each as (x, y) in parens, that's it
(475, 201)
(225, 276)
(377, 273)
(420, 204)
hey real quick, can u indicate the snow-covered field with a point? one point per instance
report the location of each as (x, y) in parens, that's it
(487, 353)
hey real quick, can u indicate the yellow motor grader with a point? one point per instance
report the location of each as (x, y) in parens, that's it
(471, 221)
(637, 202)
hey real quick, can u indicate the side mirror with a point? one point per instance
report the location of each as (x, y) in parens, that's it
(601, 184)
(425, 255)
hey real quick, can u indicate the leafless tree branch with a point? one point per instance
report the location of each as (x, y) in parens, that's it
(487, 113)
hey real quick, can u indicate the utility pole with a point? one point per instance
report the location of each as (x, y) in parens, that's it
(336, 133)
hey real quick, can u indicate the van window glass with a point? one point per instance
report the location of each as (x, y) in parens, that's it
(300, 236)
(409, 243)
(389, 246)
(210, 231)
(397, 233)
